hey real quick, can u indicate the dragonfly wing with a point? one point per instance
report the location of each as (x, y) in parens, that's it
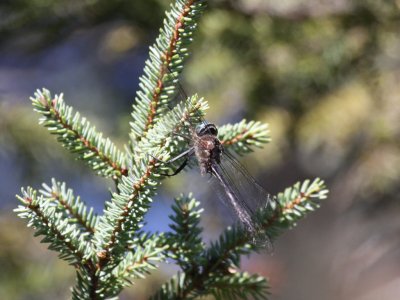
(244, 195)
(254, 195)
(240, 208)
(249, 194)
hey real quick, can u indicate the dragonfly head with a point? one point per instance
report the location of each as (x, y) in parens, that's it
(206, 128)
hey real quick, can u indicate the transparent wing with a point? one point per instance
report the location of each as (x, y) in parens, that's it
(243, 194)
(248, 189)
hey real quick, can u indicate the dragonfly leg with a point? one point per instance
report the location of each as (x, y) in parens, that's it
(188, 152)
(177, 171)
(185, 154)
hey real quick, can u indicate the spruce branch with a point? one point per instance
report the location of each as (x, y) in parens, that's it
(117, 232)
(172, 289)
(136, 264)
(184, 242)
(75, 208)
(281, 213)
(51, 221)
(124, 213)
(300, 199)
(176, 121)
(108, 282)
(189, 252)
(242, 137)
(78, 136)
(109, 251)
(86, 285)
(167, 55)
(122, 216)
(239, 285)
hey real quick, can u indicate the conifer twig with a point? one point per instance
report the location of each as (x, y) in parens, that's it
(242, 137)
(283, 212)
(62, 236)
(167, 56)
(78, 136)
(127, 208)
(74, 206)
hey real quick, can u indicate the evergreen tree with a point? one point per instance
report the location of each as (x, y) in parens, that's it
(111, 250)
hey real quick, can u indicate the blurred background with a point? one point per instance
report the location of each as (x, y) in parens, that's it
(324, 74)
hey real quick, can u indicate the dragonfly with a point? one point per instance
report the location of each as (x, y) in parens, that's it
(240, 191)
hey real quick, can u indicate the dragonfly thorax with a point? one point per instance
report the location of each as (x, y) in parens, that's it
(208, 150)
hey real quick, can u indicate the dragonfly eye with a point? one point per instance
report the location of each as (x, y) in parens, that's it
(207, 128)
(212, 129)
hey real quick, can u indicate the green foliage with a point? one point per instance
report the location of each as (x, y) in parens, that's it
(162, 69)
(74, 208)
(51, 221)
(185, 242)
(298, 200)
(240, 286)
(173, 289)
(212, 270)
(124, 213)
(243, 136)
(110, 250)
(78, 136)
